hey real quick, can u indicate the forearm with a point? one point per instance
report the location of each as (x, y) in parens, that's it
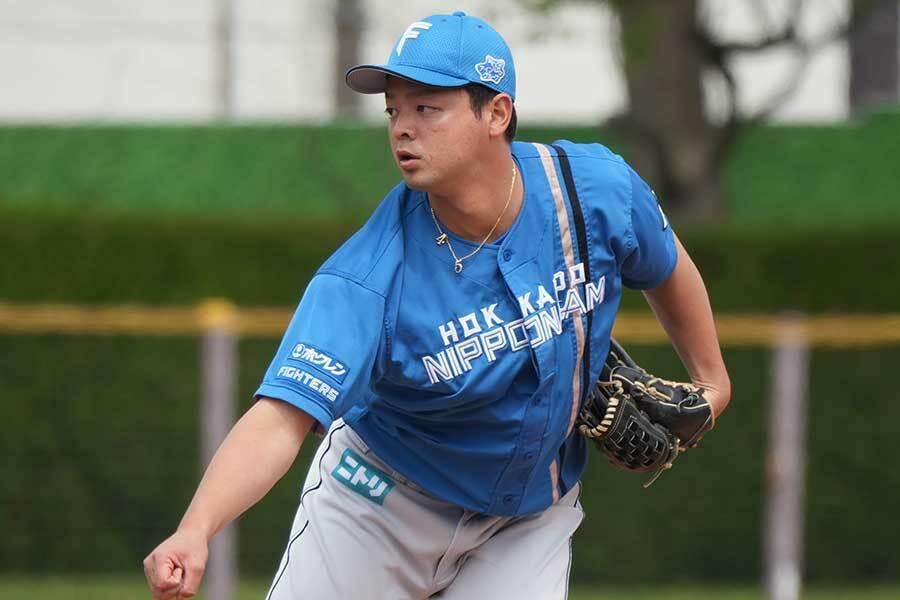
(681, 305)
(258, 451)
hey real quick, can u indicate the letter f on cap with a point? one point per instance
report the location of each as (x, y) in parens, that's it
(411, 33)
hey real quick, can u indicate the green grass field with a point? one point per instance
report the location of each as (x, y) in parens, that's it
(119, 588)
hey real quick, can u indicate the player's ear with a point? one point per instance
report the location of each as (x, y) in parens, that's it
(500, 110)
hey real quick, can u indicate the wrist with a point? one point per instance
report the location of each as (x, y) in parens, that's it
(197, 526)
(718, 394)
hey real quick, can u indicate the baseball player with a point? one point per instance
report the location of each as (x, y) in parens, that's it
(445, 349)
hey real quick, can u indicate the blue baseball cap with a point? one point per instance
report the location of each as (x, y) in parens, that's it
(443, 51)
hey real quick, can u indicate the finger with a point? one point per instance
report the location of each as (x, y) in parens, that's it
(166, 595)
(172, 585)
(192, 576)
(165, 586)
(170, 576)
(166, 591)
(149, 570)
(155, 576)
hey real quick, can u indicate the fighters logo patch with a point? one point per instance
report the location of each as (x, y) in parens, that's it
(492, 69)
(298, 378)
(361, 477)
(317, 358)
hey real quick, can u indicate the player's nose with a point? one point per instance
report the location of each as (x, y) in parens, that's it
(403, 127)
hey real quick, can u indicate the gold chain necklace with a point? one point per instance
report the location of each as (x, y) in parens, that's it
(442, 237)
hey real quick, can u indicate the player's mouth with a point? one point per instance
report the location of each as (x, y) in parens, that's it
(406, 160)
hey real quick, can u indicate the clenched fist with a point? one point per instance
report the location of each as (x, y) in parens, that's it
(175, 568)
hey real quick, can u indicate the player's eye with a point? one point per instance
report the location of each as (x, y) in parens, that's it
(390, 112)
(422, 108)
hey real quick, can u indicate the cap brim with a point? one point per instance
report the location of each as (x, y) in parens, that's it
(372, 79)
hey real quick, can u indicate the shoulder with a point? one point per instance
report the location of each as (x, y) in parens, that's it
(371, 256)
(599, 185)
(601, 177)
(593, 159)
(592, 165)
(572, 150)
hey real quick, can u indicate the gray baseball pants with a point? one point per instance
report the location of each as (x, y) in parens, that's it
(362, 531)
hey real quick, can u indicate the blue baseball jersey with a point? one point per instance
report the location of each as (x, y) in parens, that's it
(469, 384)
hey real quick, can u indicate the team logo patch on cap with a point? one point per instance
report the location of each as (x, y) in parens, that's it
(411, 33)
(492, 69)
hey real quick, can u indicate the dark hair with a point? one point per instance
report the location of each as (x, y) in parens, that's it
(480, 96)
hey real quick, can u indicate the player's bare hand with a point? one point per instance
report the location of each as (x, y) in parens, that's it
(174, 569)
(718, 395)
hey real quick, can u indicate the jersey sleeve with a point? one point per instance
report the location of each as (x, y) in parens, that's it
(325, 359)
(651, 253)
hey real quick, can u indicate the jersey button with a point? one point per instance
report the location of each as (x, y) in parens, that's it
(529, 455)
(507, 254)
(508, 499)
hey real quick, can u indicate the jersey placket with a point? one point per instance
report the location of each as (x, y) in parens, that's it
(522, 280)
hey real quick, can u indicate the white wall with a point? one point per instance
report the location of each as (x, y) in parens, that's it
(118, 60)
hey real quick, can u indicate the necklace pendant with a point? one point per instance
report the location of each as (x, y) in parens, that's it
(441, 239)
(458, 266)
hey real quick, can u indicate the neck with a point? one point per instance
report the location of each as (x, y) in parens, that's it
(471, 207)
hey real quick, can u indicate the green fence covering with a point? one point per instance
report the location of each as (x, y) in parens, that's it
(101, 458)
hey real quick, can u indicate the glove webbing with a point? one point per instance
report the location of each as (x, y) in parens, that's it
(626, 445)
(612, 407)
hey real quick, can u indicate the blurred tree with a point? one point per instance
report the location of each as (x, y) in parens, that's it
(349, 24)
(674, 145)
(875, 56)
(669, 49)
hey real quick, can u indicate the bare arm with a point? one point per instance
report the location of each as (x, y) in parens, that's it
(682, 307)
(258, 451)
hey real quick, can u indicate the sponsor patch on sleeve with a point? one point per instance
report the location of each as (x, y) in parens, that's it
(322, 361)
(303, 379)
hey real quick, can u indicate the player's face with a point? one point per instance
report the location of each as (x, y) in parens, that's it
(434, 134)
